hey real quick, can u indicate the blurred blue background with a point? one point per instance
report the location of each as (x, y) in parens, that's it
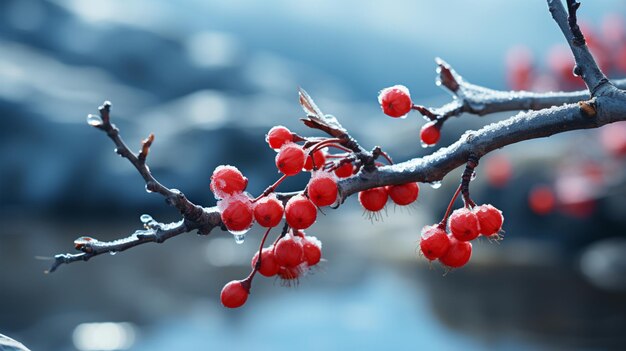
(209, 78)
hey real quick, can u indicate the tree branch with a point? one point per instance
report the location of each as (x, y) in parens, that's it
(90, 247)
(523, 126)
(586, 65)
(608, 105)
(173, 197)
(481, 101)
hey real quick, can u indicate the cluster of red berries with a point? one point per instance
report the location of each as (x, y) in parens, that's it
(239, 211)
(294, 253)
(454, 250)
(375, 199)
(291, 257)
(396, 102)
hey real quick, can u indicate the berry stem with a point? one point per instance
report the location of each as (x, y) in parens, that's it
(270, 189)
(377, 152)
(282, 233)
(442, 224)
(387, 157)
(466, 178)
(329, 143)
(338, 155)
(347, 159)
(313, 143)
(257, 266)
(425, 112)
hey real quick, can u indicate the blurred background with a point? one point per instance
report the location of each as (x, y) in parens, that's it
(209, 78)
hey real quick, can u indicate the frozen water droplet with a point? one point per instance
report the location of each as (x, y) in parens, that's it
(147, 189)
(435, 185)
(112, 253)
(473, 176)
(145, 218)
(94, 120)
(424, 145)
(239, 238)
(82, 241)
(176, 191)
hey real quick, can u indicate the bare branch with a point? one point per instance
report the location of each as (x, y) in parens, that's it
(523, 126)
(154, 232)
(556, 113)
(173, 197)
(481, 101)
(330, 125)
(145, 148)
(586, 65)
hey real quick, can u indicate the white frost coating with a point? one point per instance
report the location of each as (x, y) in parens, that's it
(289, 144)
(428, 231)
(399, 87)
(267, 136)
(314, 240)
(323, 174)
(220, 184)
(228, 199)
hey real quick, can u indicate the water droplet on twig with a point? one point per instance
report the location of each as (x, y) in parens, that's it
(239, 238)
(145, 218)
(435, 184)
(94, 120)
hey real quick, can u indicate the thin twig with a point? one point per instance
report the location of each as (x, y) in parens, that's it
(586, 65)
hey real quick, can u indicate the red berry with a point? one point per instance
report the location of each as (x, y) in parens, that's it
(541, 200)
(300, 212)
(403, 194)
(613, 138)
(322, 189)
(561, 62)
(312, 250)
(464, 224)
(613, 29)
(490, 219)
(290, 159)
(373, 199)
(458, 254)
(289, 273)
(575, 195)
(236, 213)
(234, 294)
(268, 211)
(277, 136)
(319, 157)
(288, 251)
(395, 101)
(430, 133)
(345, 170)
(434, 242)
(269, 266)
(227, 180)
(519, 68)
(498, 170)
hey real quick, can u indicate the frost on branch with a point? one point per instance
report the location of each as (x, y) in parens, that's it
(339, 167)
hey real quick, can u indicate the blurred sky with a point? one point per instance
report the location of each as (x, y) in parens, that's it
(209, 78)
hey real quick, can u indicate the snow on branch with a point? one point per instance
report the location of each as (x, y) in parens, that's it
(551, 113)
